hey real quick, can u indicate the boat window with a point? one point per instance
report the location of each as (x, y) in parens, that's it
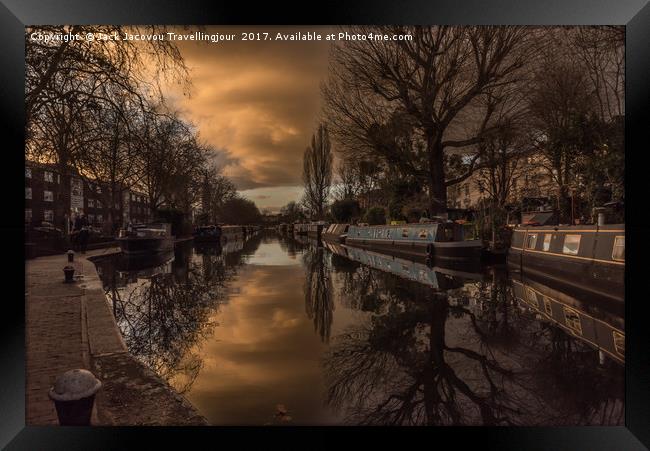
(531, 241)
(547, 241)
(618, 253)
(405, 233)
(422, 233)
(548, 306)
(619, 343)
(572, 320)
(571, 244)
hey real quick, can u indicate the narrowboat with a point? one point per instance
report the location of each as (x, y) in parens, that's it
(336, 233)
(315, 229)
(439, 240)
(231, 233)
(146, 238)
(601, 329)
(590, 258)
(250, 230)
(300, 229)
(207, 234)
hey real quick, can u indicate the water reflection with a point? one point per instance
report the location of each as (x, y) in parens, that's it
(381, 340)
(319, 300)
(164, 310)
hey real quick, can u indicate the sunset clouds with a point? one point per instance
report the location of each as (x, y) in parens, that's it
(257, 102)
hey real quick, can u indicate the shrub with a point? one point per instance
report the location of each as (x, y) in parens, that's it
(344, 211)
(376, 216)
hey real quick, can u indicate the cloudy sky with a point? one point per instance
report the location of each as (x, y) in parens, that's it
(257, 102)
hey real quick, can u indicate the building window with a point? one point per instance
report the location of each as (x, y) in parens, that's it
(547, 242)
(117, 206)
(91, 219)
(531, 241)
(571, 244)
(28, 192)
(91, 203)
(98, 204)
(572, 320)
(99, 189)
(28, 173)
(48, 196)
(28, 214)
(99, 218)
(618, 253)
(132, 196)
(48, 215)
(48, 176)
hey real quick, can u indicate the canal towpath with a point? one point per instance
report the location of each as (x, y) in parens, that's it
(71, 326)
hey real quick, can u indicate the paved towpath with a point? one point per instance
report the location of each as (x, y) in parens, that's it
(71, 326)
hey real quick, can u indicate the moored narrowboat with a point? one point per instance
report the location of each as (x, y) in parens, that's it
(207, 234)
(439, 240)
(300, 229)
(315, 229)
(590, 258)
(146, 238)
(336, 233)
(232, 233)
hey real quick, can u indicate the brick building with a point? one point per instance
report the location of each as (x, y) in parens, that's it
(45, 190)
(529, 180)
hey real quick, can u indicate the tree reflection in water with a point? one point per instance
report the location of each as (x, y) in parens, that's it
(319, 302)
(164, 312)
(470, 355)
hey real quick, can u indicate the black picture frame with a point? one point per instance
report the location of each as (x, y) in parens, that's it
(635, 14)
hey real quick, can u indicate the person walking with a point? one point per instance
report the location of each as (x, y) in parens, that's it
(82, 228)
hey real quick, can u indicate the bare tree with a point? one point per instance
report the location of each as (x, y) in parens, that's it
(437, 78)
(317, 172)
(120, 62)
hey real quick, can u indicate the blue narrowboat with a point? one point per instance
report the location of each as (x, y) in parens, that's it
(590, 258)
(439, 240)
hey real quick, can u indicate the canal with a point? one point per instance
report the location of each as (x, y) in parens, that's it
(285, 331)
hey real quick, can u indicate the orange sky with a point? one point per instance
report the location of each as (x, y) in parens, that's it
(258, 102)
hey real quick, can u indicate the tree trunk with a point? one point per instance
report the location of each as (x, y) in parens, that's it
(437, 186)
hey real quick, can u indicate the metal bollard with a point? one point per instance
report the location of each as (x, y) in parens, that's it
(70, 256)
(69, 273)
(73, 394)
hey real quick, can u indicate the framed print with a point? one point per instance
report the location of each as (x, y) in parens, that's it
(244, 217)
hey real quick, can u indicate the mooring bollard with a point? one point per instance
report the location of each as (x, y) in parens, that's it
(69, 274)
(73, 394)
(70, 256)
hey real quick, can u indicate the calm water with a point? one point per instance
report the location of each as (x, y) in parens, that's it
(281, 331)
